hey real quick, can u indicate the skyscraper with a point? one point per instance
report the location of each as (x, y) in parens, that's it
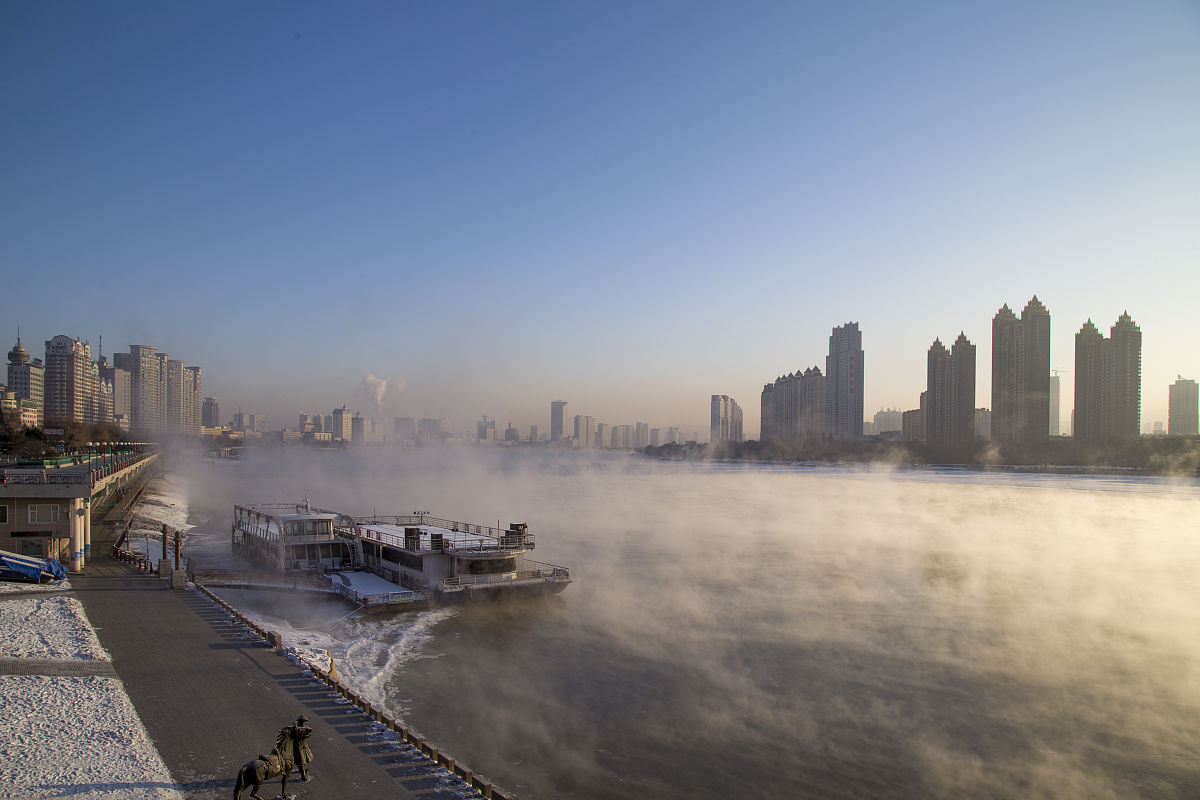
(1021, 374)
(725, 420)
(1183, 408)
(584, 431)
(71, 381)
(211, 417)
(1126, 344)
(342, 420)
(27, 379)
(844, 383)
(122, 388)
(558, 414)
(1108, 381)
(1055, 405)
(793, 406)
(950, 401)
(146, 399)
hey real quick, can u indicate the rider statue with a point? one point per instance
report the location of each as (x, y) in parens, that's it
(301, 755)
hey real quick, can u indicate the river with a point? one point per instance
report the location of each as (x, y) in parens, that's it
(757, 631)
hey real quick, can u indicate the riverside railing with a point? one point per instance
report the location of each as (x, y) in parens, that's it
(74, 475)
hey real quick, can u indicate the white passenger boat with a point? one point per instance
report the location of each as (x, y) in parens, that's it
(424, 558)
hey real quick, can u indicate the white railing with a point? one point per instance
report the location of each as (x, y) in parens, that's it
(541, 572)
(380, 598)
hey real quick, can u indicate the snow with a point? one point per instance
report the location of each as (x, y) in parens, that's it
(47, 628)
(369, 583)
(76, 737)
(69, 736)
(15, 587)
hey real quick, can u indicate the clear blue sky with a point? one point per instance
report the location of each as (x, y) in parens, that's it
(630, 206)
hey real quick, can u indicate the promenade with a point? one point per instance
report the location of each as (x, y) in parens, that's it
(213, 696)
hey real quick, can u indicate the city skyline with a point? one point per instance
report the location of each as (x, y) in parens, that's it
(489, 218)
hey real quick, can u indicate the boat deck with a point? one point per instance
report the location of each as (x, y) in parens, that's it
(370, 590)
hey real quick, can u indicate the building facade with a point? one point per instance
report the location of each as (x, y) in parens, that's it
(72, 390)
(725, 420)
(844, 383)
(1183, 408)
(1021, 374)
(794, 406)
(1108, 381)
(27, 381)
(950, 394)
(558, 416)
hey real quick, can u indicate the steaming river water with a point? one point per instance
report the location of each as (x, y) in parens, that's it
(778, 632)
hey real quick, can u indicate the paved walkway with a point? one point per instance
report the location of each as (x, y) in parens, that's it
(213, 696)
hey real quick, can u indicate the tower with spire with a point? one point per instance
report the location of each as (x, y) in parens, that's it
(27, 380)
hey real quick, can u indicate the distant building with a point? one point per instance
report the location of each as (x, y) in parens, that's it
(342, 422)
(888, 420)
(603, 436)
(122, 387)
(485, 430)
(146, 407)
(844, 383)
(794, 406)
(912, 425)
(1183, 408)
(641, 433)
(1108, 381)
(584, 431)
(72, 382)
(655, 437)
(725, 419)
(1157, 429)
(950, 409)
(211, 413)
(358, 428)
(1055, 406)
(533, 434)
(558, 414)
(673, 436)
(27, 381)
(405, 429)
(1021, 374)
(431, 430)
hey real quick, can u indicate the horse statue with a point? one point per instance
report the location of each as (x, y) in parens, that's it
(277, 763)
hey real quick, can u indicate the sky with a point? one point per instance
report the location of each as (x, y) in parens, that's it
(629, 206)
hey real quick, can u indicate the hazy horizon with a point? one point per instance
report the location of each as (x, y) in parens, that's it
(628, 207)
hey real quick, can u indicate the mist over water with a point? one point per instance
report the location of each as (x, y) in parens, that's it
(755, 631)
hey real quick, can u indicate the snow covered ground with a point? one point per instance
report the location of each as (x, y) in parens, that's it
(63, 735)
(14, 587)
(51, 627)
(76, 737)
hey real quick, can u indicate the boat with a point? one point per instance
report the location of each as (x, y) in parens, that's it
(19, 567)
(398, 559)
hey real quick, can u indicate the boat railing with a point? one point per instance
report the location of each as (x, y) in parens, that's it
(539, 572)
(507, 540)
(453, 526)
(259, 531)
(380, 598)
